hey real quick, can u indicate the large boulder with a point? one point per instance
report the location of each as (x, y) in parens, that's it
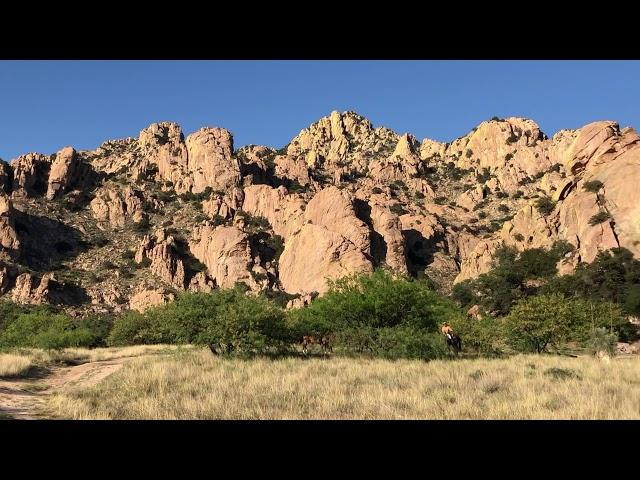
(210, 161)
(30, 174)
(163, 145)
(8, 235)
(316, 254)
(64, 172)
(226, 252)
(113, 205)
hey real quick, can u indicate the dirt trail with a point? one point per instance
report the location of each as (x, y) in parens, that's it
(23, 398)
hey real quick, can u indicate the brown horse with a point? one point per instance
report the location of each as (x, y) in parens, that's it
(325, 342)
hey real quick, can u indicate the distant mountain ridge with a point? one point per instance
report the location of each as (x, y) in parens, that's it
(138, 220)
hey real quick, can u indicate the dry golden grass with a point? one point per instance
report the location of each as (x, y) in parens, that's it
(196, 385)
(14, 365)
(20, 361)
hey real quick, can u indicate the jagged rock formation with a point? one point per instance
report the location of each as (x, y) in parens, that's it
(113, 205)
(8, 236)
(341, 197)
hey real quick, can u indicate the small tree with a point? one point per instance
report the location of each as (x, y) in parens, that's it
(535, 323)
(598, 218)
(545, 205)
(593, 186)
(603, 341)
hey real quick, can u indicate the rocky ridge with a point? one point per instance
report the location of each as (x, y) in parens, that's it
(136, 221)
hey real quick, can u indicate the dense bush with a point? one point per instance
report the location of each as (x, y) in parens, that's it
(398, 209)
(592, 186)
(599, 217)
(484, 336)
(99, 327)
(614, 275)
(408, 342)
(42, 329)
(247, 325)
(227, 319)
(254, 223)
(543, 321)
(545, 205)
(602, 340)
(510, 278)
(484, 176)
(357, 308)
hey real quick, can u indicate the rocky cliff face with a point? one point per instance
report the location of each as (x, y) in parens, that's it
(136, 221)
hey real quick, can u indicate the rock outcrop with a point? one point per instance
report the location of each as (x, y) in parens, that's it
(316, 254)
(210, 161)
(113, 205)
(30, 174)
(64, 172)
(8, 235)
(342, 197)
(165, 262)
(145, 298)
(25, 290)
(226, 252)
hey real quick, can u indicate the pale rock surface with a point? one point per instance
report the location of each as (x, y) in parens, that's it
(210, 161)
(316, 254)
(64, 172)
(226, 252)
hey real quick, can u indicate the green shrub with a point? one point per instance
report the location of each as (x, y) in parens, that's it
(537, 322)
(132, 328)
(552, 320)
(614, 276)
(484, 336)
(497, 289)
(227, 319)
(503, 208)
(592, 186)
(246, 326)
(484, 176)
(41, 329)
(601, 340)
(398, 209)
(545, 205)
(356, 308)
(376, 190)
(519, 237)
(99, 326)
(254, 223)
(599, 217)
(408, 342)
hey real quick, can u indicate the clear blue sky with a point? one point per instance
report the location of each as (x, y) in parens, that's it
(45, 105)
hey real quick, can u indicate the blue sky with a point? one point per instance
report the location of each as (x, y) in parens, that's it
(45, 105)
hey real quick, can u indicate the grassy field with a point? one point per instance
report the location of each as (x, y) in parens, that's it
(196, 385)
(21, 361)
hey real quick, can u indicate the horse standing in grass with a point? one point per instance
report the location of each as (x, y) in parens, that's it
(325, 342)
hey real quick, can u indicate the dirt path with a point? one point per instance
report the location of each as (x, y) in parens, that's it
(23, 398)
